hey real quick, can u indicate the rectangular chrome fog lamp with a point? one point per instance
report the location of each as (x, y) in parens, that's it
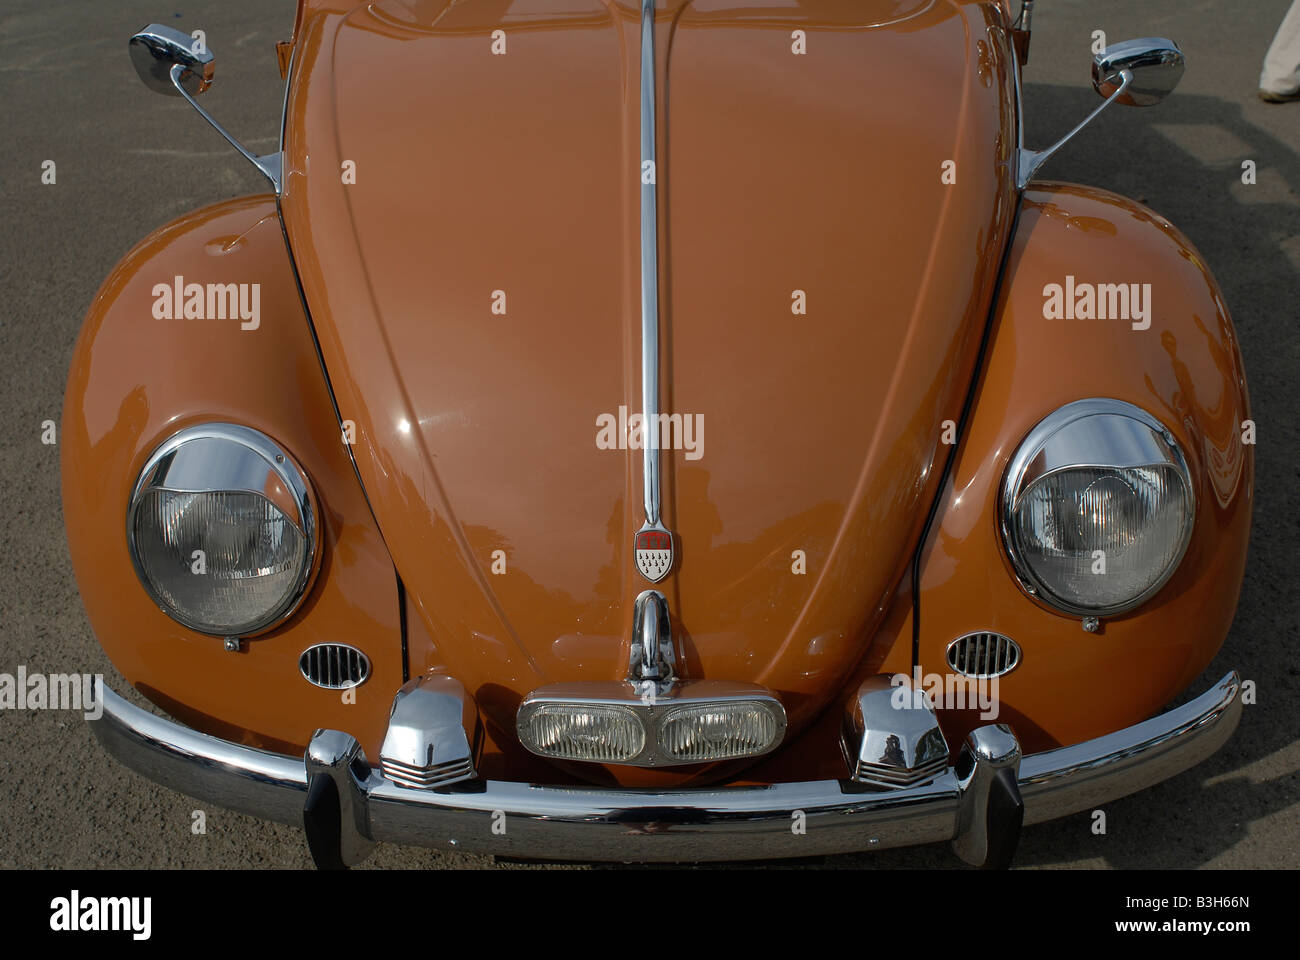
(651, 725)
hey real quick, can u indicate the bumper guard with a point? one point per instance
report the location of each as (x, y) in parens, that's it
(346, 806)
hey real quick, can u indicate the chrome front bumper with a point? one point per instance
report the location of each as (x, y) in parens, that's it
(684, 825)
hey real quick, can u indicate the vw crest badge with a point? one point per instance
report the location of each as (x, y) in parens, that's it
(654, 552)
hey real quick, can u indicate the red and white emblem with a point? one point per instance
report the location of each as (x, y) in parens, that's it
(654, 553)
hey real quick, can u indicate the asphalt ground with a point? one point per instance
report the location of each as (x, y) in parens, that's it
(128, 160)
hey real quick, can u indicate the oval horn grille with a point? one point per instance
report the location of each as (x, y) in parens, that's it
(983, 655)
(334, 666)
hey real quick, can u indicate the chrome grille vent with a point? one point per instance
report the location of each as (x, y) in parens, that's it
(425, 777)
(334, 666)
(893, 777)
(983, 655)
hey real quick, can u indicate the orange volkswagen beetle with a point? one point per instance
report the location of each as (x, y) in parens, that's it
(660, 431)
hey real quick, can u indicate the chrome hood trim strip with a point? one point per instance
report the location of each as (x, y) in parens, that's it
(649, 269)
(653, 547)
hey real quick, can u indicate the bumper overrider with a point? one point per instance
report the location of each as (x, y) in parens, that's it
(345, 805)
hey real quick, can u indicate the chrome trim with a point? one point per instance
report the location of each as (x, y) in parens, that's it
(1021, 181)
(334, 666)
(269, 164)
(247, 461)
(650, 292)
(165, 60)
(434, 734)
(257, 782)
(983, 654)
(1025, 20)
(338, 758)
(649, 273)
(1117, 764)
(1155, 64)
(280, 182)
(895, 734)
(1028, 161)
(653, 658)
(662, 824)
(652, 706)
(989, 751)
(1132, 72)
(156, 52)
(1129, 437)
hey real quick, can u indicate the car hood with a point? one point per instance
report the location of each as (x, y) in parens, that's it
(465, 223)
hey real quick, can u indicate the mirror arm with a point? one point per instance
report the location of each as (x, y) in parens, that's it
(1031, 160)
(270, 165)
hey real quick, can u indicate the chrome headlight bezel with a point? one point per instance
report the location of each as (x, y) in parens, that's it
(1128, 437)
(256, 464)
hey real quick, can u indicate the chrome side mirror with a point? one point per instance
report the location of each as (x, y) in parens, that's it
(177, 65)
(1156, 66)
(156, 50)
(1137, 72)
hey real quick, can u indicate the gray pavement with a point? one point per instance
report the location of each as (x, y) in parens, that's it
(128, 160)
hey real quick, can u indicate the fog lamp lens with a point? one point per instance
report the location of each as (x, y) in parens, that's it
(718, 731)
(604, 733)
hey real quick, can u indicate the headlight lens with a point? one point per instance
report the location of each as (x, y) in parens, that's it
(1097, 507)
(222, 530)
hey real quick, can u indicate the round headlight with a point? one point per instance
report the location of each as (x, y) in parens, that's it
(222, 530)
(1097, 508)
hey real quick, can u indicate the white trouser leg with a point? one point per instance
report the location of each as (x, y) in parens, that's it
(1281, 72)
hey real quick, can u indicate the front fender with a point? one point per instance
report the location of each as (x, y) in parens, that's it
(135, 380)
(1186, 370)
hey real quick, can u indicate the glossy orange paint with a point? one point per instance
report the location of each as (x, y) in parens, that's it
(477, 431)
(135, 381)
(1186, 370)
